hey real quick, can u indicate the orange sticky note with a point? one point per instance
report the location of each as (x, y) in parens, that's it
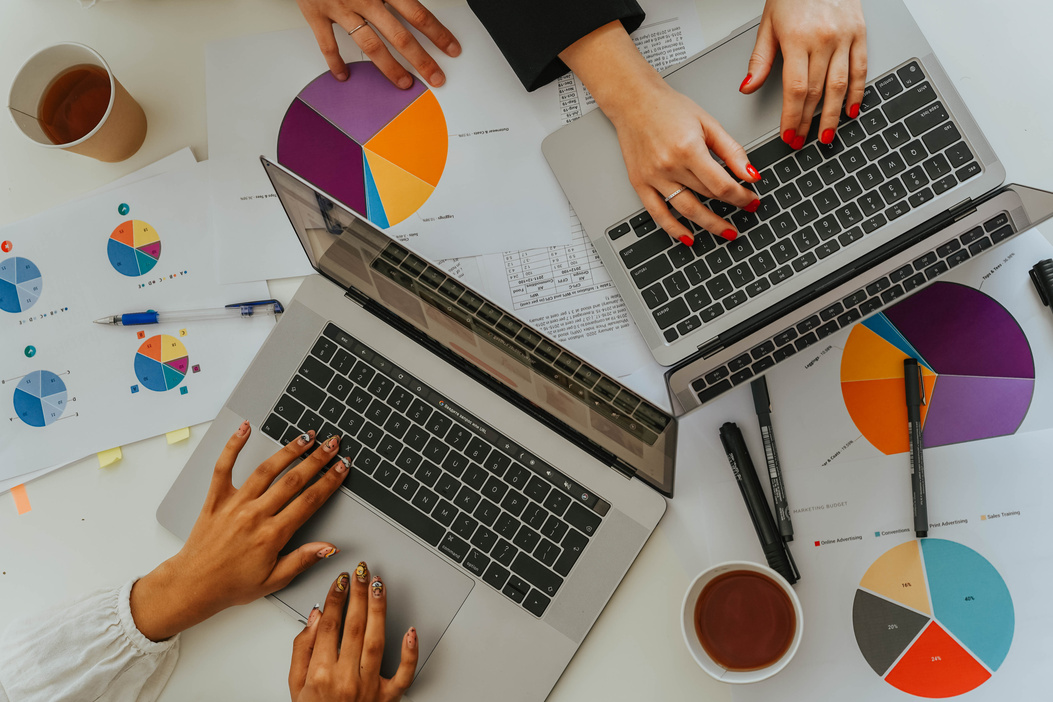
(21, 498)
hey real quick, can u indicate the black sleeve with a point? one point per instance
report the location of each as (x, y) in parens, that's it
(531, 33)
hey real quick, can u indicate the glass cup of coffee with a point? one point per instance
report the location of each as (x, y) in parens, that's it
(66, 97)
(741, 622)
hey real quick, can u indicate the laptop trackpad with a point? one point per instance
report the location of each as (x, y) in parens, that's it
(423, 590)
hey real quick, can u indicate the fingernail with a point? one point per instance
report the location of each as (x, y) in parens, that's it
(342, 582)
(729, 234)
(788, 136)
(244, 428)
(798, 142)
(305, 438)
(753, 172)
(377, 587)
(411, 638)
(687, 240)
(331, 443)
(437, 79)
(827, 137)
(453, 49)
(341, 76)
(745, 82)
(362, 572)
(853, 111)
(315, 615)
(404, 82)
(752, 207)
(344, 465)
(328, 551)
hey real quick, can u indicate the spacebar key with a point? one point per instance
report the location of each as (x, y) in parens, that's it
(390, 504)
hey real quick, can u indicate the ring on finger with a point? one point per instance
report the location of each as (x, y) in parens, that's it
(676, 192)
(364, 24)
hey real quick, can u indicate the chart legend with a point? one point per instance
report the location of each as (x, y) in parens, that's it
(978, 372)
(20, 284)
(134, 248)
(377, 149)
(40, 398)
(933, 618)
(161, 363)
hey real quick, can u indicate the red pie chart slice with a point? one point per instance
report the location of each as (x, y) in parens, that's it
(935, 666)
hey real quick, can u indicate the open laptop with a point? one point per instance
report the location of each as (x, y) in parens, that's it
(501, 486)
(906, 191)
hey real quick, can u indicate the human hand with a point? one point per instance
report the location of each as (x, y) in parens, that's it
(824, 52)
(232, 555)
(336, 658)
(665, 138)
(383, 22)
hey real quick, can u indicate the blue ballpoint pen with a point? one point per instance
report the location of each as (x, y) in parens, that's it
(232, 311)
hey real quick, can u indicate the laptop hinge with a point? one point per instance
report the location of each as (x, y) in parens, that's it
(624, 468)
(356, 297)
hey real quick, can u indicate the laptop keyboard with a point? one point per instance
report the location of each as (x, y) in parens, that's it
(877, 294)
(473, 495)
(901, 152)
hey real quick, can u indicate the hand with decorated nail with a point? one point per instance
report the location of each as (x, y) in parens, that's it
(336, 658)
(232, 555)
(370, 22)
(824, 52)
(665, 138)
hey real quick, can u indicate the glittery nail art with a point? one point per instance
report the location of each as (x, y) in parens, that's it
(376, 587)
(305, 439)
(342, 582)
(362, 572)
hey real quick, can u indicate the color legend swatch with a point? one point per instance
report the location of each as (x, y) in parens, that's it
(133, 248)
(161, 363)
(933, 618)
(977, 369)
(377, 149)
(20, 284)
(40, 398)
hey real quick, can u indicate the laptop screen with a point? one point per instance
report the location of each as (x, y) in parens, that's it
(586, 405)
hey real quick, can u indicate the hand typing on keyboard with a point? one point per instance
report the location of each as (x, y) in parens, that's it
(824, 50)
(232, 554)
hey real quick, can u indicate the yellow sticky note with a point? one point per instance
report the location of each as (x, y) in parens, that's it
(21, 498)
(107, 458)
(174, 437)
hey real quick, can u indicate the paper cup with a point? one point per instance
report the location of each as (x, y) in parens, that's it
(687, 624)
(119, 133)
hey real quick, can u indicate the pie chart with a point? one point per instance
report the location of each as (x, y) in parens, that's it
(161, 363)
(133, 248)
(977, 369)
(40, 398)
(377, 149)
(20, 284)
(933, 618)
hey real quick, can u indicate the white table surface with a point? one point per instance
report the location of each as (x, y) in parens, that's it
(92, 527)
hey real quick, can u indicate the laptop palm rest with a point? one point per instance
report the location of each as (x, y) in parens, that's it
(423, 591)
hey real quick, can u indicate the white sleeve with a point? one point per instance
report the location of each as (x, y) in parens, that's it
(88, 650)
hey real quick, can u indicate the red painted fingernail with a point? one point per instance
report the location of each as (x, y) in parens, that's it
(745, 81)
(827, 137)
(729, 234)
(788, 136)
(798, 142)
(753, 172)
(687, 240)
(752, 207)
(853, 111)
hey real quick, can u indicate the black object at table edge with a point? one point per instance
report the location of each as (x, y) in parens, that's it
(914, 397)
(762, 404)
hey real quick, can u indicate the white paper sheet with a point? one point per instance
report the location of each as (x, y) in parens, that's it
(107, 403)
(496, 190)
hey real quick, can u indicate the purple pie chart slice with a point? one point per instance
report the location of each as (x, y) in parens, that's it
(966, 408)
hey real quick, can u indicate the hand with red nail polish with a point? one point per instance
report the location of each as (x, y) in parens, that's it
(233, 553)
(665, 138)
(824, 50)
(336, 658)
(382, 21)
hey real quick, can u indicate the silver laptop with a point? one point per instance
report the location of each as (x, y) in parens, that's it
(501, 486)
(906, 191)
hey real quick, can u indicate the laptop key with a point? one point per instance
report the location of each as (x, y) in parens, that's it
(762, 263)
(941, 137)
(583, 519)
(526, 538)
(806, 239)
(454, 547)
(476, 563)
(888, 86)
(936, 269)
(537, 488)
(827, 249)
(535, 515)
(805, 341)
(827, 329)
(744, 220)
(848, 317)
(910, 101)
(735, 299)
(547, 552)
(966, 172)
(958, 155)
(274, 427)
(516, 589)
(306, 392)
(804, 261)
(467, 498)
(506, 525)
(651, 271)
(288, 409)
(557, 503)
(769, 153)
(672, 312)
(896, 135)
(696, 273)
(409, 517)
(316, 371)
(1001, 234)
(974, 248)
(646, 248)
(995, 222)
(310, 422)
(537, 574)
(788, 196)
(944, 184)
